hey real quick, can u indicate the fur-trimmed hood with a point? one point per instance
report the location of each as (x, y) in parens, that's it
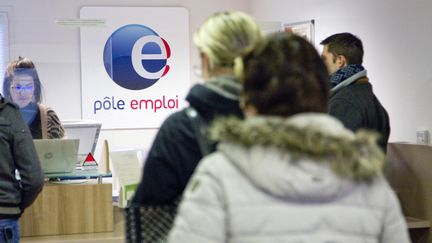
(306, 155)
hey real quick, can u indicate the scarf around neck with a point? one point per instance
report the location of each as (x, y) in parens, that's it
(346, 75)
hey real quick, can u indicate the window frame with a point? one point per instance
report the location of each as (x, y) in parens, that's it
(4, 42)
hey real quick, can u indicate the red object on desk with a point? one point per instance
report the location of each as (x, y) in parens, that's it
(89, 160)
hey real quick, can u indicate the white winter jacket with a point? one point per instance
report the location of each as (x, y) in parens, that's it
(302, 179)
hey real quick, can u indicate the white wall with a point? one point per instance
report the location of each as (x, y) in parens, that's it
(56, 51)
(396, 35)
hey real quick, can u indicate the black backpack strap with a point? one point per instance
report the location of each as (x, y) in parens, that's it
(200, 130)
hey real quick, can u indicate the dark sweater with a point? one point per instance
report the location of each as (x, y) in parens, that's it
(52, 124)
(357, 107)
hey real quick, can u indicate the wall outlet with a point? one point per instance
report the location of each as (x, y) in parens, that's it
(422, 137)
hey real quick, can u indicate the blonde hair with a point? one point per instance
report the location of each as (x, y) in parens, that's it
(227, 35)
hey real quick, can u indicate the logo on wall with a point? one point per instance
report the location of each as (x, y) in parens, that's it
(135, 57)
(135, 70)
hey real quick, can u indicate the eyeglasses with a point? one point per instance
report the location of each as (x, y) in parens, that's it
(22, 88)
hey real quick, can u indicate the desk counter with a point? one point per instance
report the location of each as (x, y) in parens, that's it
(69, 209)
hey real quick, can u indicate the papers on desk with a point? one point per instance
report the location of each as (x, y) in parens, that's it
(127, 169)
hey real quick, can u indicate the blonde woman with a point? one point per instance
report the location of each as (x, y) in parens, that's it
(176, 149)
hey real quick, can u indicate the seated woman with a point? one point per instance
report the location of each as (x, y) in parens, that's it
(22, 86)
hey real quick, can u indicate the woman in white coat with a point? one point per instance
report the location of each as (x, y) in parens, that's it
(289, 172)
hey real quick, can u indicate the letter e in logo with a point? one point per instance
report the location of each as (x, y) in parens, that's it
(135, 57)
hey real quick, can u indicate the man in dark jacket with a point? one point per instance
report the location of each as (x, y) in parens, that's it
(17, 153)
(352, 99)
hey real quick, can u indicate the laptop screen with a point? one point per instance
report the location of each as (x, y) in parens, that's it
(57, 155)
(87, 131)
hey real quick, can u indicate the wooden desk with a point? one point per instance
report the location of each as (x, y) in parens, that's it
(418, 229)
(414, 223)
(116, 236)
(409, 172)
(69, 209)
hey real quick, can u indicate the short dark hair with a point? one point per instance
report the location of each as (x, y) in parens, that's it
(345, 44)
(22, 66)
(285, 76)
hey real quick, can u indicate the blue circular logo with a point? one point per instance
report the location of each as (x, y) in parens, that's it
(135, 57)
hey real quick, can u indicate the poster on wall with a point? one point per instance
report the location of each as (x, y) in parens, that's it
(304, 29)
(134, 68)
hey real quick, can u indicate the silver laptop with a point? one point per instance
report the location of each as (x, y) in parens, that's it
(57, 155)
